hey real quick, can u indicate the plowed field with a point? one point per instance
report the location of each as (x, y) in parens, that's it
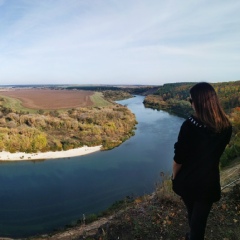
(50, 99)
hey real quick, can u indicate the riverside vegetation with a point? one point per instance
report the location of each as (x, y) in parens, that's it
(102, 122)
(54, 130)
(174, 98)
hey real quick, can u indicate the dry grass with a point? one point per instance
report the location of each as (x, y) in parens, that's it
(231, 172)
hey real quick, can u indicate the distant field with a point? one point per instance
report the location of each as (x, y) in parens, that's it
(46, 99)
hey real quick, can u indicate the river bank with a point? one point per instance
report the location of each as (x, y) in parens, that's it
(22, 156)
(160, 215)
(38, 197)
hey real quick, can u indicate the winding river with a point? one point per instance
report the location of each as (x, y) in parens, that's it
(38, 197)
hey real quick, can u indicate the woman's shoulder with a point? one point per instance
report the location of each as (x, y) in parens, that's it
(192, 123)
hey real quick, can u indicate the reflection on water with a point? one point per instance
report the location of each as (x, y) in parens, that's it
(40, 196)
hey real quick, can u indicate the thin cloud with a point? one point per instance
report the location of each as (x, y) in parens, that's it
(129, 41)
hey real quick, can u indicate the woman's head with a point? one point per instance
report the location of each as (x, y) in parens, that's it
(207, 107)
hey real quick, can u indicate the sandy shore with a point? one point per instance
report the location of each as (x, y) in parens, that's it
(21, 156)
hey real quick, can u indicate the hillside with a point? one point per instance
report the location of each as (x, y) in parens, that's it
(174, 97)
(160, 215)
(33, 120)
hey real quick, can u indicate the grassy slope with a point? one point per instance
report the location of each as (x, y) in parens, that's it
(98, 100)
(231, 172)
(15, 104)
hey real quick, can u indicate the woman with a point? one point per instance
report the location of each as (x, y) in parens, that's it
(201, 142)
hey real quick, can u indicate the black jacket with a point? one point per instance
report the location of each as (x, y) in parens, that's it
(199, 149)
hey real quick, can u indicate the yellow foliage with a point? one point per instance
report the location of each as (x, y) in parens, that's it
(107, 126)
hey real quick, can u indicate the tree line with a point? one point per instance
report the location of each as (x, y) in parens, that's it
(174, 98)
(63, 130)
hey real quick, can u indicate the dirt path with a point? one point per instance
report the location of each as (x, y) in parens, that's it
(78, 231)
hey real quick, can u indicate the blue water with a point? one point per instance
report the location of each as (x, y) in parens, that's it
(38, 197)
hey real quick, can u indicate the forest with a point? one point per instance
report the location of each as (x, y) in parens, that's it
(173, 97)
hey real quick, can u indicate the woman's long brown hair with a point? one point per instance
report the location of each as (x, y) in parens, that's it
(207, 107)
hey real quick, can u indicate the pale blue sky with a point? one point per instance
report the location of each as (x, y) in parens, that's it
(119, 41)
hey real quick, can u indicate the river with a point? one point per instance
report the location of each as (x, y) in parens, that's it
(39, 197)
